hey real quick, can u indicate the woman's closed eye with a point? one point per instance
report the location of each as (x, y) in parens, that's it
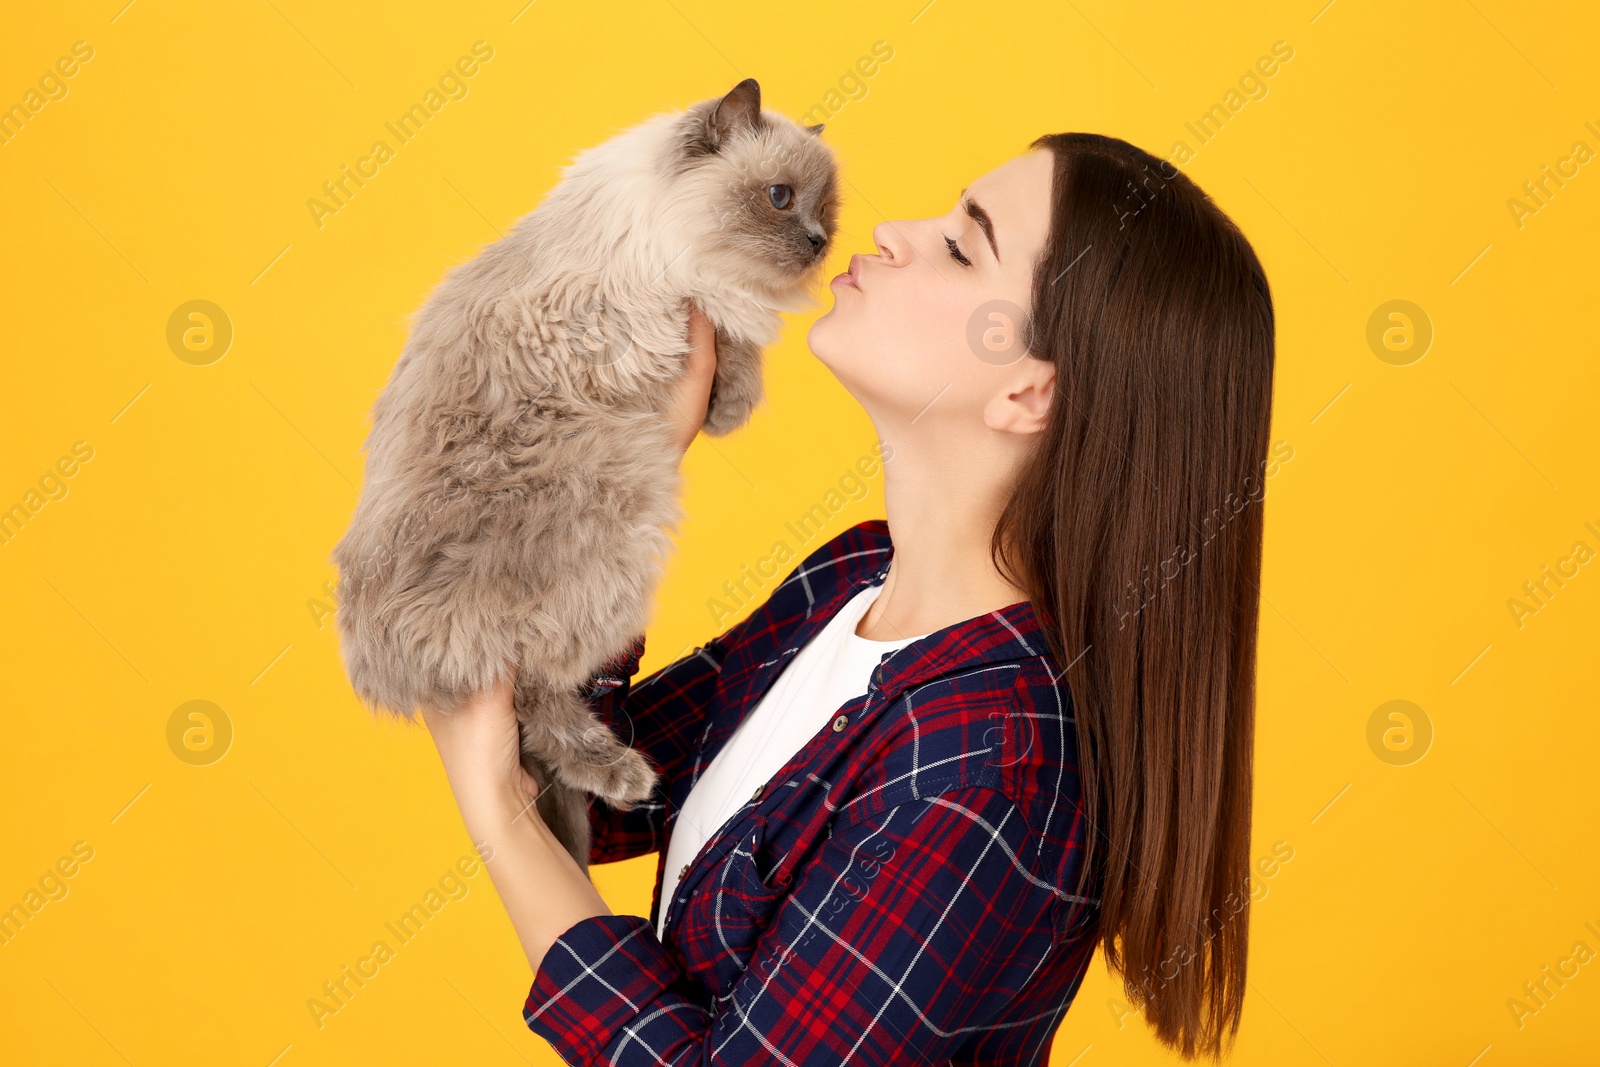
(955, 252)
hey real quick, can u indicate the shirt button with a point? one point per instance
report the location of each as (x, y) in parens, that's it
(840, 723)
(877, 677)
(759, 790)
(683, 872)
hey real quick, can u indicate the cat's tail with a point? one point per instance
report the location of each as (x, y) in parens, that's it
(566, 812)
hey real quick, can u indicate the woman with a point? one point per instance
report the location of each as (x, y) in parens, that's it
(1047, 676)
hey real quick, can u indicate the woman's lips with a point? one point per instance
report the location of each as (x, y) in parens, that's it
(850, 277)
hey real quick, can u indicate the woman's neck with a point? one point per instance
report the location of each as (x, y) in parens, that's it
(942, 518)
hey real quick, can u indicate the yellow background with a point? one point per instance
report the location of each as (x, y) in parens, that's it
(189, 557)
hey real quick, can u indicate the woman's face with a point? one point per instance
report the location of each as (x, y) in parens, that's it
(927, 329)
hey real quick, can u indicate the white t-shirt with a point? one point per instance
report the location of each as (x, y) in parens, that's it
(834, 666)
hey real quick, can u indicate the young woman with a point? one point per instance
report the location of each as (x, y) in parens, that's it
(904, 800)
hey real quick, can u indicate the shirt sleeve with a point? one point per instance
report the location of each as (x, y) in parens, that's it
(913, 927)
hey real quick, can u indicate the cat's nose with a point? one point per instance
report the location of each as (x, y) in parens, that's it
(817, 241)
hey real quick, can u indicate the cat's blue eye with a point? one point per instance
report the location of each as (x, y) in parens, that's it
(955, 253)
(780, 195)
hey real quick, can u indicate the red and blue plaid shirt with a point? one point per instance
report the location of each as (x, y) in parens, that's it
(900, 892)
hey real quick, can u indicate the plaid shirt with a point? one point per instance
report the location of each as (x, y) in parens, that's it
(900, 892)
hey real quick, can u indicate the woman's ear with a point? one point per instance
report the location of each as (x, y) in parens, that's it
(1022, 405)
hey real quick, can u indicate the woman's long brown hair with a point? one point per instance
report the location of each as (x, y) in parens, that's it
(1136, 529)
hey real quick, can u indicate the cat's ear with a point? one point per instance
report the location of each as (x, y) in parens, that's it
(739, 110)
(816, 131)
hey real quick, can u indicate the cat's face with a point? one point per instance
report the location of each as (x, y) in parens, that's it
(770, 187)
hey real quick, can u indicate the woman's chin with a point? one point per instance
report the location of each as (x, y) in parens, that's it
(817, 335)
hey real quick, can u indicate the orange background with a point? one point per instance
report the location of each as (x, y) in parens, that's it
(186, 557)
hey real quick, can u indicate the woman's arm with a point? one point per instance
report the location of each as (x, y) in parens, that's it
(913, 927)
(538, 882)
(911, 930)
(541, 886)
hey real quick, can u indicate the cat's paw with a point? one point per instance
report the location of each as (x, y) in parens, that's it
(725, 416)
(609, 769)
(736, 389)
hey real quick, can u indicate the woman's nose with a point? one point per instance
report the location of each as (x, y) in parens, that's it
(890, 239)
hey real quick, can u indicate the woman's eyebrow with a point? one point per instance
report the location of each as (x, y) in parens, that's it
(984, 222)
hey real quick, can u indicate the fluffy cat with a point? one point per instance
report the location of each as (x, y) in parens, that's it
(521, 484)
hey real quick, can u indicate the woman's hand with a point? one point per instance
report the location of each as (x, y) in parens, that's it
(687, 403)
(481, 750)
(544, 892)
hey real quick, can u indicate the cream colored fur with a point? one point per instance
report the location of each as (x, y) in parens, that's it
(521, 483)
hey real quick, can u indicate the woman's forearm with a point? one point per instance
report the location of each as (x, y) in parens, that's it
(540, 885)
(538, 881)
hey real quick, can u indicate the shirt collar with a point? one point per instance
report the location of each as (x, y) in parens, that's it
(1004, 635)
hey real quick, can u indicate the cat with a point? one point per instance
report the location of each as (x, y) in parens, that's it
(521, 479)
